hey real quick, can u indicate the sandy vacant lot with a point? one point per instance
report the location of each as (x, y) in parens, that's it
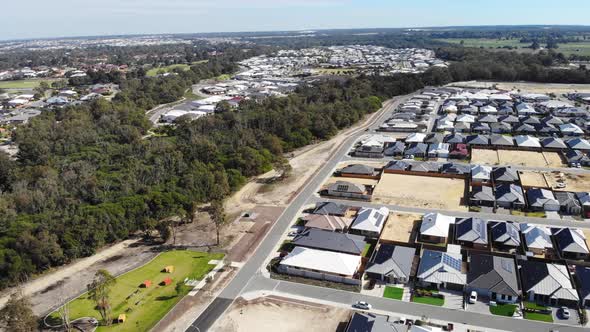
(400, 227)
(533, 179)
(515, 157)
(576, 182)
(279, 314)
(528, 87)
(420, 191)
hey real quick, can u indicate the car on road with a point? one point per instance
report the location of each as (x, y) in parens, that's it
(565, 312)
(473, 297)
(362, 305)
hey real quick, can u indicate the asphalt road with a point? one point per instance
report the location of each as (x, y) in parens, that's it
(255, 263)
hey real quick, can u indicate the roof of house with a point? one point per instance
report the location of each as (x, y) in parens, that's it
(477, 139)
(330, 208)
(393, 261)
(483, 193)
(400, 165)
(327, 222)
(371, 220)
(505, 174)
(368, 322)
(567, 199)
(397, 147)
(455, 168)
(415, 138)
(550, 119)
(539, 197)
(358, 169)
(527, 141)
(481, 172)
(578, 144)
(321, 260)
(548, 279)
(509, 193)
(348, 187)
(583, 276)
(416, 148)
(436, 224)
(524, 128)
(506, 233)
(472, 230)
(439, 148)
(570, 240)
(488, 118)
(570, 128)
(584, 198)
(427, 166)
(455, 138)
(494, 273)
(503, 140)
(509, 119)
(438, 267)
(434, 138)
(553, 142)
(465, 118)
(536, 237)
(332, 241)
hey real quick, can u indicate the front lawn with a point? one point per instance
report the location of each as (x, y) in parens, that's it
(503, 309)
(144, 307)
(538, 316)
(395, 293)
(534, 306)
(429, 300)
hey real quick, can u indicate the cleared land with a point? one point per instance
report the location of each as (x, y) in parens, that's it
(530, 87)
(400, 227)
(166, 69)
(144, 307)
(420, 191)
(576, 182)
(579, 48)
(277, 314)
(515, 157)
(25, 84)
(533, 179)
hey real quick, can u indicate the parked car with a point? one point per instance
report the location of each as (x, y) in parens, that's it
(362, 305)
(473, 297)
(565, 312)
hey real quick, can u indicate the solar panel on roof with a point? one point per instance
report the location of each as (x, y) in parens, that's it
(452, 262)
(379, 220)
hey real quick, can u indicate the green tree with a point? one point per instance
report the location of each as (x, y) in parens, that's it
(17, 315)
(179, 288)
(99, 292)
(217, 213)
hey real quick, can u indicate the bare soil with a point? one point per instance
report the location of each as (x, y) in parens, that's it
(400, 227)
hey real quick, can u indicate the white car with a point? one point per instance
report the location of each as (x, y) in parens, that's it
(565, 312)
(362, 305)
(473, 297)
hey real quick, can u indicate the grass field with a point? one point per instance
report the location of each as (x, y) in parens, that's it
(395, 293)
(503, 309)
(428, 300)
(538, 316)
(25, 84)
(166, 69)
(144, 307)
(579, 48)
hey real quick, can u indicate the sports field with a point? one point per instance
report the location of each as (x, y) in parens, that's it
(25, 84)
(166, 69)
(144, 307)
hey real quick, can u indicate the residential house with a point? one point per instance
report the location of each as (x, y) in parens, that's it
(425, 167)
(582, 277)
(481, 128)
(348, 190)
(493, 278)
(578, 144)
(509, 119)
(504, 175)
(416, 138)
(477, 140)
(472, 232)
(510, 196)
(482, 196)
(330, 241)
(552, 120)
(584, 198)
(434, 138)
(525, 129)
(570, 129)
(369, 151)
(438, 150)
(369, 322)
(442, 269)
(526, 141)
(395, 149)
(455, 168)
(328, 222)
(569, 203)
(330, 208)
(416, 150)
(571, 243)
(537, 239)
(553, 143)
(455, 138)
(501, 140)
(359, 171)
(369, 222)
(459, 151)
(435, 228)
(481, 174)
(322, 265)
(542, 200)
(547, 283)
(392, 264)
(576, 157)
(397, 166)
(505, 235)
(501, 128)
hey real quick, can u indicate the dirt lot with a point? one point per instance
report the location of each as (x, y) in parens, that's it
(515, 157)
(528, 87)
(420, 191)
(400, 227)
(279, 314)
(533, 179)
(576, 182)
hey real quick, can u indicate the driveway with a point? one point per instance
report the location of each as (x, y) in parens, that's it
(479, 307)
(573, 320)
(453, 300)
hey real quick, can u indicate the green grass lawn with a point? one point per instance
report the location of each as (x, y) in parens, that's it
(25, 84)
(166, 69)
(534, 306)
(428, 300)
(503, 309)
(395, 293)
(144, 307)
(538, 316)
(368, 249)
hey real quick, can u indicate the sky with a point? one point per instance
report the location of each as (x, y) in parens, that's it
(64, 18)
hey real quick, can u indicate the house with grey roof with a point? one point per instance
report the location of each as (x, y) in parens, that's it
(442, 269)
(482, 196)
(552, 120)
(435, 227)
(493, 278)
(570, 129)
(369, 151)
(330, 208)
(532, 120)
(425, 167)
(472, 232)
(509, 119)
(477, 140)
(582, 278)
(501, 128)
(434, 138)
(455, 138)
(369, 222)
(455, 168)
(547, 283)
(488, 118)
(501, 140)
(510, 196)
(392, 264)
(576, 157)
(481, 128)
(438, 150)
(553, 143)
(578, 144)
(505, 235)
(330, 241)
(537, 239)
(569, 203)
(462, 127)
(398, 166)
(369, 322)
(395, 149)
(348, 190)
(416, 150)
(571, 243)
(584, 198)
(505, 175)
(327, 222)
(524, 128)
(542, 200)
(359, 170)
